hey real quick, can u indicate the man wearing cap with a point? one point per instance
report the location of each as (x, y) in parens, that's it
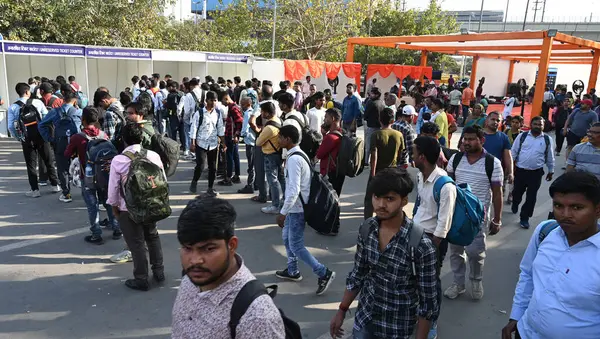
(403, 124)
(578, 124)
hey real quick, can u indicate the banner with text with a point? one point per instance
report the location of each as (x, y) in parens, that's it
(118, 53)
(44, 49)
(226, 57)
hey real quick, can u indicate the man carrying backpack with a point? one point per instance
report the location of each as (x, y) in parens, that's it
(208, 224)
(66, 121)
(273, 163)
(233, 127)
(328, 151)
(24, 116)
(136, 113)
(486, 183)
(114, 120)
(135, 193)
(192, 103)
(91, 192)
(291, 217)
(173, 111)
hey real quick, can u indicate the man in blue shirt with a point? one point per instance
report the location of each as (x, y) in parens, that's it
(425, 109)
(34, 146)
(350, 109)
(249, 140)
(557, 296)
(53, 118)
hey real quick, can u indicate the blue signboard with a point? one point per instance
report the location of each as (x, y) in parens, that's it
(118, 53)
(226, 57)
(43, 49)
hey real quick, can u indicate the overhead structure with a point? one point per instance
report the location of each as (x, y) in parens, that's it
(540, 47)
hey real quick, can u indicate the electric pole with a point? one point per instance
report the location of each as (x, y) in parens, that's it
(543, 10)
(403, 5)
(480, 17)
(526, 10)
(536, 8)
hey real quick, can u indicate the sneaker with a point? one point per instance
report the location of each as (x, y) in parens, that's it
(159, 277)
(43, 183)
(117, 235)
(270, 210)
(225, 182)
(212, 192)
(136, 284)
(246, 190)
(65, 198)
(94, 239)
(236, 180)
(104, 223)
(323, 283)
(122, 257)
(329, 234)
(433, 331)
(524, 224)
(56, 189)
(33, 194)
(101, 208)
(557, 154)
(514, 208)
(454, 291)
(285, 274)
(193, 188)
(476, 289)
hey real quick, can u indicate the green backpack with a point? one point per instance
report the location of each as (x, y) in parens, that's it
(146, 191)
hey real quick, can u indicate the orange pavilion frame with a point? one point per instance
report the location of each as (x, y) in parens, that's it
(541, 47)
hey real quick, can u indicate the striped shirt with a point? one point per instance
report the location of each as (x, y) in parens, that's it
(474, 175)
(585, 157)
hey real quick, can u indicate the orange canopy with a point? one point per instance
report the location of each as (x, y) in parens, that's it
(298, 69)
(400, 71)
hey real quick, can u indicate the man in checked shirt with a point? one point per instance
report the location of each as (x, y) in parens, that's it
(396, 282)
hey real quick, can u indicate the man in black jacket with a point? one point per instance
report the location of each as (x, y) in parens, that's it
(374, 108)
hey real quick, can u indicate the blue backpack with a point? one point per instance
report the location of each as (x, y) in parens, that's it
(64, 128)
(82, 100)
(99, 154)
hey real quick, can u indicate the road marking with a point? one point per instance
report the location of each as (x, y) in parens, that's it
(42, 238)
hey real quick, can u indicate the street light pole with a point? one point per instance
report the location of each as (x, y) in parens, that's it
(274, 23)
(526, 10)
(506, 16)
(480, 17)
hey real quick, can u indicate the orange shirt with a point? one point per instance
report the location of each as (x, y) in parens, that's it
(467, 96)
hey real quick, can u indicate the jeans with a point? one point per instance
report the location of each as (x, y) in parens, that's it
(202, 158)
(293, 240)
(368, 132)
(560, 139)
(368, 202)
(63, 163)
(138, 237)
(233, 157)
(529, 181)
(465, 113)
(32, 152)
(441, 252)
(363, 333)
(173, 127)
(475, 253)
(43, 169)
(259, 167)
(182, 138)
(250, 158)
(186, 134)
(275, 177)
(92, 198)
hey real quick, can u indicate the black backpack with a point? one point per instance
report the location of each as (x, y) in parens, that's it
(350, 158)
(168, 150)
(322, 208)
(199, 107)
(311, 139)
(146, 191)
(173, 100)
(252, 290)
(29, 117)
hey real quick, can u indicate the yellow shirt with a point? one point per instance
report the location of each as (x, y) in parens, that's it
(442, 121)
(329, 105)
(268, 138)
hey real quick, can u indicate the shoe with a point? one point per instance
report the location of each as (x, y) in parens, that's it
(225, 182)
(65, 198)
(433, 331)
(136, 284)
(330, 234)
(104, 223)
(246, 190)
(193, 188)
(56, 189)
(323, 283)
(43, 183)
(285, 274)
(236, 180)
(101, 208)
(258, 199)
(212, 193)
(33, 194)
(122, 257)
(476, 289)
(159, 277)
(270, 210)
(186, 153)
(454, 291)
(557, 154)
(514, 208)
(94, 239)
(117, 235)
(524, 224)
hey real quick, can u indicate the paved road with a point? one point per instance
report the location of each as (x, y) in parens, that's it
(54, 285)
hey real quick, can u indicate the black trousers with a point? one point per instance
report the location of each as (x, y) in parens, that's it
(530, 182)
(204, 157)
(368, 210)
(441, 252)
(337, 181)
(560, 139)
(62, 166)
(138, 237)
(250, 158)
(173, 127)
(41, 152)
(43, 170)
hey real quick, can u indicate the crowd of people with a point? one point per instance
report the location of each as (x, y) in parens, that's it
(122, 151)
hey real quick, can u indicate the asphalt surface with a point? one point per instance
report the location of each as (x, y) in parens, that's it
(54, 285)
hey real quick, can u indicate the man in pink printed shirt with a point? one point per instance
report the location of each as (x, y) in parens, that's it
(136, 235)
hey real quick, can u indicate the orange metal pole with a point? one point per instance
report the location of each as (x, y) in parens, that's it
(474, 72)
(350, 52)
(423, 63)
(594, 71)
(540, 84)
(511, 72)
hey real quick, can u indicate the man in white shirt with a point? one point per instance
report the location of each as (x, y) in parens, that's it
(557, 295)
(548, 100)
(159, 107)
(306, 87)
(192, 102)
(291, 217)
(509, 103)
(455, 97)
(289, 115)
(207, 132)
(433, 214)
(316, 115)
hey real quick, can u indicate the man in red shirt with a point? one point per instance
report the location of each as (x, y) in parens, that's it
(50, 100)
(233, 128)
(74, 84)
(328, 151)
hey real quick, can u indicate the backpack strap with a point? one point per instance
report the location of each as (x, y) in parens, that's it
(414, 239)
(309, 168)
(489, 166)
(438, 185)
(547, 140)
(547, 227)
(302, 123)
(245, 297)
(364, 230)
(457, 158)
(521, 141)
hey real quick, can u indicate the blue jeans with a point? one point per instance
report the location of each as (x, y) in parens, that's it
(233, 157)
(186, 133)
(275, 178)
(293, 240)
(92, 198)
(259, 169)
(363, 333)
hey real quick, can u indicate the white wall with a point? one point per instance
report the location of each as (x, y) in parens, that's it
(273, 70)
(115, 74)
(180, 69)
(524, 70)
(496, 75)
(338, 93)
(229, 70)
(384, 84)
(567, 74)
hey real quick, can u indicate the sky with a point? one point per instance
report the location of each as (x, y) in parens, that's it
(555, 9)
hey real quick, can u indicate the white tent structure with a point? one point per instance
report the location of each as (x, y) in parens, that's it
(113, 67)
(179, 64)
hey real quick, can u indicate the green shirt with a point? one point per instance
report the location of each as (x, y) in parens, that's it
(388, 143)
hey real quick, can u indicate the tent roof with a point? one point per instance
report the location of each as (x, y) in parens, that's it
(519, 46)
